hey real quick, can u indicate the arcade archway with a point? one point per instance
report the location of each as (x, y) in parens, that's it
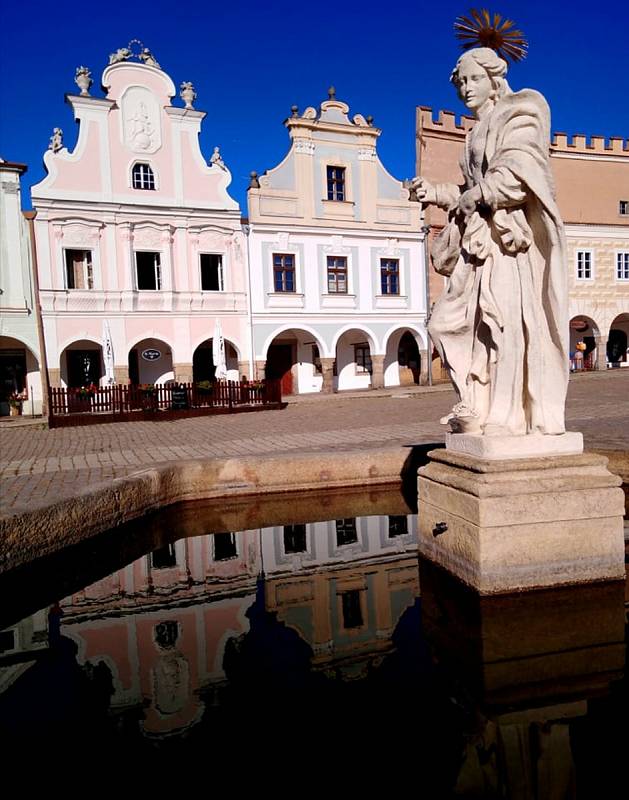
(150, 361)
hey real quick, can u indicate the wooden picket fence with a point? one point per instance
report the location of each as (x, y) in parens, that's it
(161, 402)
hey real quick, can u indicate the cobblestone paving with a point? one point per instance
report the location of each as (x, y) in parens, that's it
(40, 466)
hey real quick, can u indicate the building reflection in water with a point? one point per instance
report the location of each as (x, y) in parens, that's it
(283, 612)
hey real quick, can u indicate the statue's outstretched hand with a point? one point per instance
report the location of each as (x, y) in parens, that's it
(425, 191)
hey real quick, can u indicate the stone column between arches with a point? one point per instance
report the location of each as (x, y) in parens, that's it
(377, 372)
(54, 377)
(601, 351)
(260, 368)
(183, 373)
(327, 373)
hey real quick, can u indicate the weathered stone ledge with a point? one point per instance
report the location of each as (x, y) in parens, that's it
(27, 536)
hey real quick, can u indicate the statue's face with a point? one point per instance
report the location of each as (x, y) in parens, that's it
(473, 84)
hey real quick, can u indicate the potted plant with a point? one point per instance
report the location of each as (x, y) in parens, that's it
(148, 394)
(15, 405)
(204, 391)
(80, 400)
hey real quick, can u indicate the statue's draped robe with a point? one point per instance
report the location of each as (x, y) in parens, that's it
(501, 326)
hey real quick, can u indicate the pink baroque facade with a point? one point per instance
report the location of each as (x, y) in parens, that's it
(137, 235)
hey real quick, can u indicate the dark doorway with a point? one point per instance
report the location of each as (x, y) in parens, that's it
(408, 356)
(83, 367)
(203, 368)
(279, 363)
(12, 372)
(134, 367)
(617, 346)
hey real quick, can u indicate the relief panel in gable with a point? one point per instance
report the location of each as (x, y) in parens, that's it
(141, 124)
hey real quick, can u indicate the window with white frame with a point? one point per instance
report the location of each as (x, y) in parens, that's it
(584, 265)
(346, 531)
(142, 177)
(390, 276)
(148, 271)
(164, 557)
(211, 272)
(336, 183)
(79, 273)
(337, 275)
(622, 266)
(224, 546)
(284, 272)
(623, 207)
(295, 538)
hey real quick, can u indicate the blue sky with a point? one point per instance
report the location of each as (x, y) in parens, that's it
(250, 61)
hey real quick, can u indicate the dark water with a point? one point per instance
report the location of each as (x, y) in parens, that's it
(292, 635)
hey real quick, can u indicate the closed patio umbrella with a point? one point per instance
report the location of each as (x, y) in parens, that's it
(218, 352)
(108, 355)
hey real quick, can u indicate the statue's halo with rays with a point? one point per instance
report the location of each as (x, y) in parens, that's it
(479, 29)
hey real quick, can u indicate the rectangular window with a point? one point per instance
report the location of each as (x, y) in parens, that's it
(164, 557)
(336, 183)
(352, 612)
(398, 526)
(211, 272)
(143, 177)
(346, 531)
(623, 207)
(79, 274)
(390, 275)
(283, 272)
(337, 275)
(622, 266)
(149, 272)
(294, 538)
(224, 546)
(584, 265)
(362, 359)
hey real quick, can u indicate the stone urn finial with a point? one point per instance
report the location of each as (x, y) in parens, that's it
(83, 79)
(294, 111)
(187, 93)
(331, 93)
(254, 183)
(56, 140)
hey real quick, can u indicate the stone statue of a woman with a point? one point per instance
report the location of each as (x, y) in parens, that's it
(501, 325)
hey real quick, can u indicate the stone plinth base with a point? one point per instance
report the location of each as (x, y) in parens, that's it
(511, 524)
(502, 447)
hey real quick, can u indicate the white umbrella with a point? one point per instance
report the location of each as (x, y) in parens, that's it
(218, 352)
(108, 355)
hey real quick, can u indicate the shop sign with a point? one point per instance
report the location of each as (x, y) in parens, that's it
(152, 354)
(579, 325)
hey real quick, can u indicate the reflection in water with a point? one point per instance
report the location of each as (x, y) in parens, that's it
(311, 618)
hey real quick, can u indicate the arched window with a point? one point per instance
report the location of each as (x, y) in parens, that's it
(143, 177)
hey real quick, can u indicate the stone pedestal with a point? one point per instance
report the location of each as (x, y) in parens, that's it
(505, 524)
